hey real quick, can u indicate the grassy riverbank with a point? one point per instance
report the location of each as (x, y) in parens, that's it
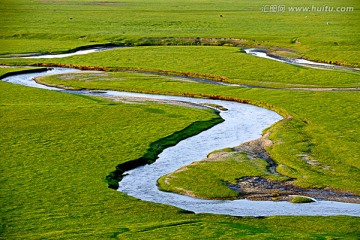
(57, 149)
(55, 26)
(214, 174)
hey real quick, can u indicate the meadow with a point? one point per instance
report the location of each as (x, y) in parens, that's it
(57, 149)
(226, 64)
(57, 26)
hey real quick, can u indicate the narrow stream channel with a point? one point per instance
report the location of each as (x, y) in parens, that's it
(64, 55)
(295, 61)
(242, 123)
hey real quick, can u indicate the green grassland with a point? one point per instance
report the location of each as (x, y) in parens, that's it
(57, 149)
(226, 64)
(53, 26)
(4, 71)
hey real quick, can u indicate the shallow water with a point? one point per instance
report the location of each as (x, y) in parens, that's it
(27, 79)
(242, 123)
(294, 61)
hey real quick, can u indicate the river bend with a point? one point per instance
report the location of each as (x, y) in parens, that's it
(242, 123)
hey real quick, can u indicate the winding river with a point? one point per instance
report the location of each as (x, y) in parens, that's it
(242, 123)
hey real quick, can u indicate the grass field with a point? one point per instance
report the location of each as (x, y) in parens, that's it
(220, 63)
(57, 148)
(51, 26)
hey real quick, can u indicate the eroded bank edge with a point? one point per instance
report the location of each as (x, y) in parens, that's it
(24, 71)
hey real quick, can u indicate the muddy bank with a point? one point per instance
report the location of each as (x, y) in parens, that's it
(262, 189)
(129, 99)
(259, 188)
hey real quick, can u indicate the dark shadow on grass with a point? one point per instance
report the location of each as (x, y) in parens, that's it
(157, 147)
(30, 70)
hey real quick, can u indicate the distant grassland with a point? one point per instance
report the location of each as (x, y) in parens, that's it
(323, 125)
(53, 26)
(57, 149)
(226, 64)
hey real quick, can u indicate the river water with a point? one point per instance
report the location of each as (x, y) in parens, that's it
(63, 55)
(242, 123)
(295, 61)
